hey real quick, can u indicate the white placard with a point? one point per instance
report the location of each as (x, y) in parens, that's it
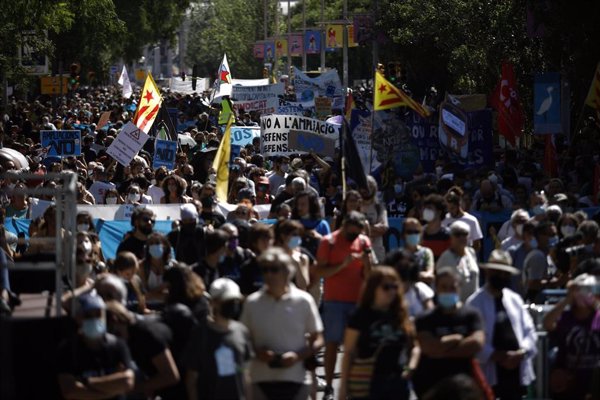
(127, 144)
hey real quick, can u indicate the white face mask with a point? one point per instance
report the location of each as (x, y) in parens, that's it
(87, 246)
(111, 200)
(132, 197)
(428, 214)
(567, 230)
(519, 229)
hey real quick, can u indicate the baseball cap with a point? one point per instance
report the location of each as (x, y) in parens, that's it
(224, 289)
(188, 211)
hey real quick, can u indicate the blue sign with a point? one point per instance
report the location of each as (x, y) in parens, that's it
(546, 104)
(164, 154)
(243, 135)
(61, 143)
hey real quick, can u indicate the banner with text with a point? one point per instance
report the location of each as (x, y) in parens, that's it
(250, 82)
(127, 144)
(360, 125)
(264, 106)
(248, 93)
(307, 141)
(61, 143)
(243, 135)
(275, 130)
(306, 109)
(164, 154)
(328, 84)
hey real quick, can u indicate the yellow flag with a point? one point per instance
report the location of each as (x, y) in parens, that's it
(388, 96)
(149, 105)
(593, 97)
(221, 164)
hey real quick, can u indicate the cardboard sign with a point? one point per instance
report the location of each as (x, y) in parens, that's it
(322, 107)
(61, 143)
(307, 141)
(243, 135)
(127, 144)
(104, 118)
(275, 130)
(164, 154)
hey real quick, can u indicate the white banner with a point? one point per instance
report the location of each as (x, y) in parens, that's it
(127, 144)
(247, 93)
(180, 86)
(264, 106)
(250, 82)
(327, 84)
(275, 129)
(296, 108)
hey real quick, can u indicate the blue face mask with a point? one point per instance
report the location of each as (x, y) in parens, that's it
(538, 210)
(295, 241)
(533, 243)
(553, 241)
(448, 300)
(156, 250)
(413, 239)
(93, 328)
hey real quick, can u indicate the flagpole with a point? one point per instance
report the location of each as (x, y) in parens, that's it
(343, 153)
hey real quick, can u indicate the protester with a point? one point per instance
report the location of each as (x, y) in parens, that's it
(457, 213)
(376, 215)
(157, 260)
(435, 235)
(142, 221)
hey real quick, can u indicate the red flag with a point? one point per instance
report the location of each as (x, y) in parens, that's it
(551, 157)
(505, 100)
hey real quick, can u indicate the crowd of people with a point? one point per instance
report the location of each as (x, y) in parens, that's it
(230, 306)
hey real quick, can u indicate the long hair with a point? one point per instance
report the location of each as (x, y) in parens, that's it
(314, 209)
(397, 307)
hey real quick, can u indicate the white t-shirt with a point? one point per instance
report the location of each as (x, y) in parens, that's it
(475, 229)
(156, 193)
(99, 188)
(416, 296)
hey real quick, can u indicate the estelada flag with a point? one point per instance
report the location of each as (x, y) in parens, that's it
(593, 97)
(388, 96)
(223, 83)
(221, 163)
(505, 100)
(149, 105)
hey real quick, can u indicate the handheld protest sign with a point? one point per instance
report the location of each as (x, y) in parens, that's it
(61, 143)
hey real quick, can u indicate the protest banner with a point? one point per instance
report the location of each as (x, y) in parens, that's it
(312, 42)
(308, 141)
(360, 125)
(164, 154)
(178, 85)
(275, 130)
(263, 106)
(243, 135)
(296, 108)
(322, 107)
(61, 143)
(250, 82)
(127, 144)
(327, 84)
(247, 93)
(104, 118)
(546, 104)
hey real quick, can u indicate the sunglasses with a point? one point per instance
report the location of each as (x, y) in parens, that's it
(148, 220)
(414, 232)
(390, 286)
(460, 234)
(270, 270)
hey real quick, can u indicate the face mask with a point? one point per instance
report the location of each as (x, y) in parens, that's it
(156, 250)
(93, 328)
(212, 177)
(538, 210)
(351, 237)
(111, 200)
(398, 188)
(448, 300)
(567, 230)
(468, 185)
(285, 168)
(413, 239)
(533, 243)
(233, 244)
(499, 282)
(231, 309)
(295, 241)
(221, 258)
(132, 197)
(83, 227)
(428, 214)
(519, 229)
(553, 241)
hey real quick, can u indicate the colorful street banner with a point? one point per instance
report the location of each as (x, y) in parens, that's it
(263, 106)
(328, 84)
(312, 42)
(281, 47)
(546, 104)
(308, 141)
(269, 51)
(164, 154)
(275, 130)
(61, 143)
(363, 29)
(247, 93)
(127, 144)
(243, 135)
(334, 36)
(360, 125)
(295, 44)
(306, 109)
(259, 50)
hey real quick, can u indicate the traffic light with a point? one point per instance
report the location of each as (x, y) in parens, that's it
(391, 72)
(74, 78)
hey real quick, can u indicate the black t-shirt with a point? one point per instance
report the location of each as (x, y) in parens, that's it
(231, 267)
(505, 340)
(380, 337)
(134, 245)
(251, 278)
(188, 244)
(147, 339)
(206, 272)
(464, 321)
(81, 361)
(212, 218)
(218, 357)
(280, 199)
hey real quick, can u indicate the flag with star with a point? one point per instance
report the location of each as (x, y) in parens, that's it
(388, 96)
(148, 106)
(223, 84)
